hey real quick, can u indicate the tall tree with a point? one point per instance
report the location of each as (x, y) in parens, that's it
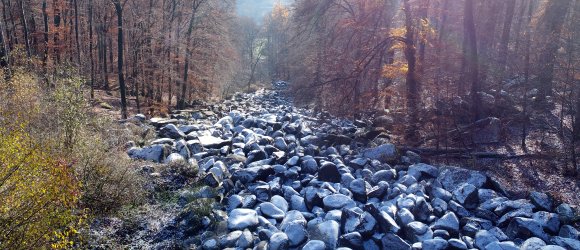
(91, 49)
(470, 59)
(120, 46)
(413, 88)
(548, 34)
(25, 28)
(505, 36)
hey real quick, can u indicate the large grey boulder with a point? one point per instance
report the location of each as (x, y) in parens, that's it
(242, 218)
(209, 141)
(171, 131)
(252, 174)
(384, 153)
(326, 232)
(524, 228)
(155, 153)
(451, 178)
(394, 242)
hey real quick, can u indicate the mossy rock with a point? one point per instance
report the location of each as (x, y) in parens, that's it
(105, 105)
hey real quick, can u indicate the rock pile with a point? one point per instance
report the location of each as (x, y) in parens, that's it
(289, 181)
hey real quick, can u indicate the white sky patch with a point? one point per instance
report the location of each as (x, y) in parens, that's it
(257, 9)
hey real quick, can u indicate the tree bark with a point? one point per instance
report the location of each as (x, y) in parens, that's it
(25, 29)
(45, 35)
(91, 56)
(119, 10)
(505, 37)
(78, 44)
(195, 6)
(549, 31)
(413, 88)
(470, 59)
(423, 38)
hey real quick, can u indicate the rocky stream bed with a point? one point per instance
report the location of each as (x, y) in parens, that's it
(283, 179)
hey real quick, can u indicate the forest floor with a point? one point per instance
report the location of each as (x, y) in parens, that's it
(544, 167)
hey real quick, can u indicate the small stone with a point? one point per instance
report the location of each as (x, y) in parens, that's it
(568, 231)
(549, 221)
(271, 211)
(278, 241)
(383, 175)
(358, 188)
(524, 228)
(457, 244)
(448, 222)
(422, 171)
(329, 172)
(435, 244)
(327, 232)
(292, 216)
(541, 200)
(314, 245)
(483, 238)
(210, 244)
(384, 153)
(246, 240)
(394, 242)
(337, 201)
(280, 203)
(533, 243)
(352, 240)
(467, 196)
(418, 232)
(404, 216)
(296, 233)
(565, 212)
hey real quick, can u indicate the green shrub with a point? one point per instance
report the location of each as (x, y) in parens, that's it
(59, 163)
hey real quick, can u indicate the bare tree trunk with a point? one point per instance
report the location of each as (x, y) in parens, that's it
(13, 29)
(25, 29)
(57, 17)
(119, 10)
(4, 61)
(471, 59)
(45, 35)
(91, 49)
(527, 41)
(550, 28)
(505, 37)
(413, 88)
(196, 4)
(423, 37)
(104, 50)
(76, 6)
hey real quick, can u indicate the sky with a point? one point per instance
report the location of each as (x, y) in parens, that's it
(257, 9)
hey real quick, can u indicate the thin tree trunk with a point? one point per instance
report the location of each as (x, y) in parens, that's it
(424, 34)
(57, 17)
(76, 6)
(91, 56)
(104, 50)
(471, 59)
(4, 60)
(196, 4)
(6, 27)
(505, 37)
(527, 41)
(413, 88)
(25, 29)
(119, 10)
(13, 30)
(45, 35)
